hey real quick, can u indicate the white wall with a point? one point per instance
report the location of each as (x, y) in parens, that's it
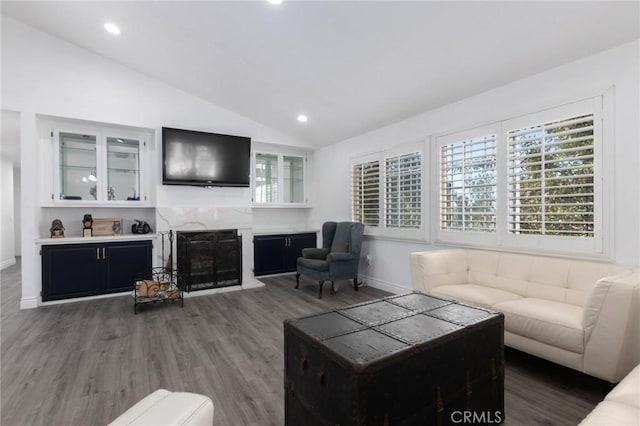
(17, 211)
(589, 76)
(7, 249)
(43, 75)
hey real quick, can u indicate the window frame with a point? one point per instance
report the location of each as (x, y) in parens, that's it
(382, 230)
(582, 245)
(598, 246)
(470, 237)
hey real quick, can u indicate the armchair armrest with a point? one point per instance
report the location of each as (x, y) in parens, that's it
(339, 257)
(611, 323)
(315, 253)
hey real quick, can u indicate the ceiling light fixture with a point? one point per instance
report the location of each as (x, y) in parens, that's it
(302, 118)
(112, 28)
(275, 1)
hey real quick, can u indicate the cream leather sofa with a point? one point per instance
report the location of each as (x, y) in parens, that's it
(580, 314)
(166, 408)
(621, 407)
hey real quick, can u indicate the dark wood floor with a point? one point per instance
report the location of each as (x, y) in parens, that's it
(85, 363)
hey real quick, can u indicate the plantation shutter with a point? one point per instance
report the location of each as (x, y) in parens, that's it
(468, 185)
(551, 178)
(365, 193)
(403, 191)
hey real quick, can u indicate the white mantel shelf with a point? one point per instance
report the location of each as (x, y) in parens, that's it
(279, 231)
(110, 239)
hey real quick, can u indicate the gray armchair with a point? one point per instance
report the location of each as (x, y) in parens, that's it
(337, 259)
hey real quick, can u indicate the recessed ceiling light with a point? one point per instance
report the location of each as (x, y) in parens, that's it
(112, 28)
(302, 118)
(275, 1)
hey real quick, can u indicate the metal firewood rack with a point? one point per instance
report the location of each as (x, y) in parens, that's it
(161, 283)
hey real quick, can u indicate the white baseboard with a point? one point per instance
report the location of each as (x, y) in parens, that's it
(383, 285)
(28, 303)
(6, 263)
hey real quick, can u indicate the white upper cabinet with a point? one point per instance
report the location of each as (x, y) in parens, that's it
(99, 166)
(279, 179)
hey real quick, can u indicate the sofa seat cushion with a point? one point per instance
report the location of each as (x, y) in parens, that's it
(474, 294)
(621, 406)
(554, 323)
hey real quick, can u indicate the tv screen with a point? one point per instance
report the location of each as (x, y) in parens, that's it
(205, 159)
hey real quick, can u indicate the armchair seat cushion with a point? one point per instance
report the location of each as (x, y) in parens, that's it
(474, 294)
(554, 323)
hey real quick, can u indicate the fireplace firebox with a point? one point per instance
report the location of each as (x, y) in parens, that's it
(209, 259)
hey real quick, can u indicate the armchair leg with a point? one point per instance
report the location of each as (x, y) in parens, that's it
(297, 280)
(320, 290)
(355, 283)
(333, 287)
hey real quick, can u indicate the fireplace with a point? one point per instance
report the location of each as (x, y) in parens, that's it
(209, 259)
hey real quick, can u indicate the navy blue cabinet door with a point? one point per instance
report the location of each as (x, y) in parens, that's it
(274, 254)
(268, 254)
(71, 270)
(296, 243)
(124, 262)
(77, 270)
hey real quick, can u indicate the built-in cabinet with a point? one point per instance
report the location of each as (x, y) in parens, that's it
(275, 254)
(89, 269)
(99, 165)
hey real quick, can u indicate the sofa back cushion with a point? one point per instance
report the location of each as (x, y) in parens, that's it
(504, 271)
(561, 280)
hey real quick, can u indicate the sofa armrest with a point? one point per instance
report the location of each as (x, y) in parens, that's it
(430, 269)
(611, 325)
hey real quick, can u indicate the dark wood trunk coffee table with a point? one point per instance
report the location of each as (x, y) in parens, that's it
(409, 359)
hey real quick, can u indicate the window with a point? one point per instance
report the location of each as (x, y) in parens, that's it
(278, 179)
(391, 203)
(531, 182)
(468, 185)
(551, 172)
(365, 195)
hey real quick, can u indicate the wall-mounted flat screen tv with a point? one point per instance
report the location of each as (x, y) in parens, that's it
(205, 159)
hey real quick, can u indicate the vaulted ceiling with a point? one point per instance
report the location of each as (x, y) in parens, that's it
(351, 66)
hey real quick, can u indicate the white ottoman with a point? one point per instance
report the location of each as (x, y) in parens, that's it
(165, 408)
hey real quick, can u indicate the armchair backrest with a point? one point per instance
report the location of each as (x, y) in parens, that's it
(328, 231)
(348, 238)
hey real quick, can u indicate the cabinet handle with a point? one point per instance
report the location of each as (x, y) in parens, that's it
(98, 253)
(104, 253)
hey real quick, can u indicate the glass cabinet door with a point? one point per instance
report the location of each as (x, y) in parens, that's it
(293, 179)
(79, 179)
(266, 178)
(123, 169)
